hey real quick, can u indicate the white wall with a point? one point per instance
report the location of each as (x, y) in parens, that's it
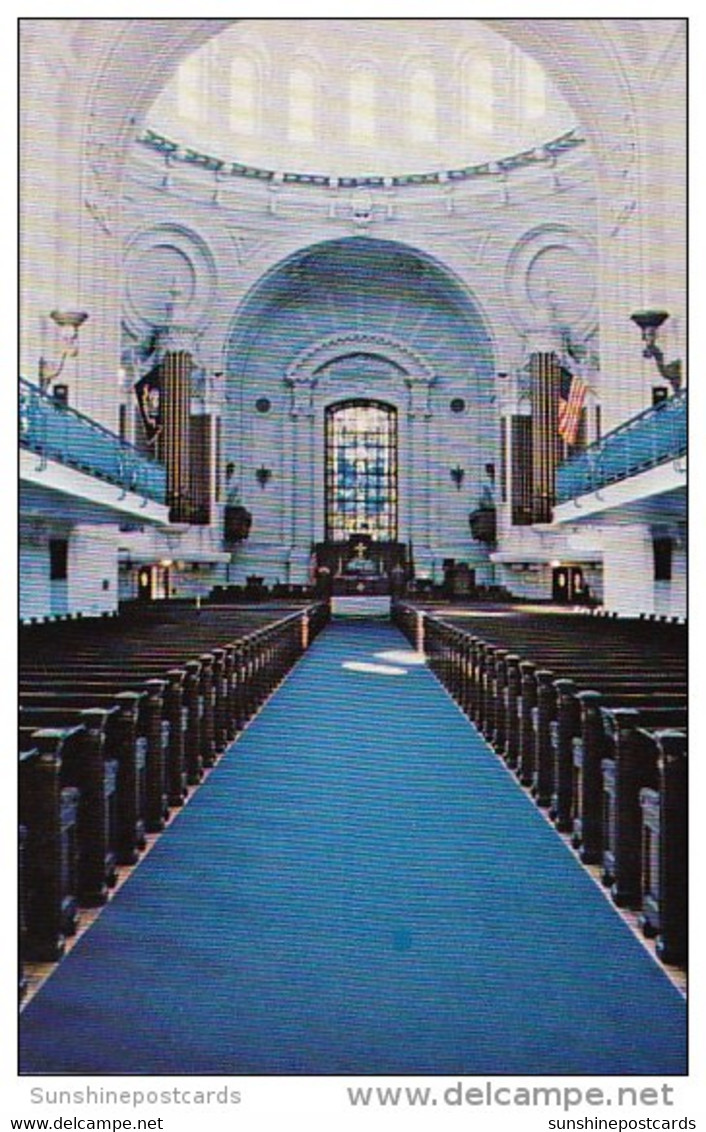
(34, 573)
(93, 571)
(91, 561)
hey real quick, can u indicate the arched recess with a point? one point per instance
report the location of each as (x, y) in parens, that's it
(360, 318)
(353, 295)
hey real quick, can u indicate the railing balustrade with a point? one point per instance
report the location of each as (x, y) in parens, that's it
(58, 432)
(654, 436)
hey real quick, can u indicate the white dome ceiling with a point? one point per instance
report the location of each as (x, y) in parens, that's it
(360, 97)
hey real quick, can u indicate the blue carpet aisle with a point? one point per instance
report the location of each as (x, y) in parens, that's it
(358, 888)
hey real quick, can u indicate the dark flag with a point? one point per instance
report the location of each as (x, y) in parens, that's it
(148, 391)
(571, 399)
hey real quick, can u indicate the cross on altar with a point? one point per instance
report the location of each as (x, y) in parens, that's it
(360, 549)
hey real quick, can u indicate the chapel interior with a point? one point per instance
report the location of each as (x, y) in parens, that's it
(353, 392)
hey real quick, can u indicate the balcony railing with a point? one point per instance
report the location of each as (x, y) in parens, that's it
(655, 436)
(57, 432)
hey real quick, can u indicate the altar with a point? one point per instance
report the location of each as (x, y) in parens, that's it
(361, 566)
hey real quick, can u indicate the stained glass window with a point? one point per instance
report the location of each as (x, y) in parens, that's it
(361, 470)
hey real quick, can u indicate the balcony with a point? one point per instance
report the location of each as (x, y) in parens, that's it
(656, 436)
(57, 432)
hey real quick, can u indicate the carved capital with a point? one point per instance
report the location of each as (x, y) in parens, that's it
(176, 339)
(302, 390)
(419, 396)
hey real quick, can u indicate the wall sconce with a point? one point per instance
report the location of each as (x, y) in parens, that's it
(263, 475)
(649, 323)
(457, 475)
(69, 323)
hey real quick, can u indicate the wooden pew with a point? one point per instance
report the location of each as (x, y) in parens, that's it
(100, 678)
(21, 912)
(178, 745)
(664, 849)
(49, 813)
(551, 723)
(594, 744)
(152, 730)
(84, 766)
(547, 760)
(127, 719)
(629, 768)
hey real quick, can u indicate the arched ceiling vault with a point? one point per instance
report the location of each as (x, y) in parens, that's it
(136, 57)
(362, 295)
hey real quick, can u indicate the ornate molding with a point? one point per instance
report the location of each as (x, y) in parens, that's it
(171, 262)
(360, 206)
(302, 389)
(248, 247)
(315, 358)
(178, 338)
(538, 274)
(419, 397)
(305, 371)
(100, 197)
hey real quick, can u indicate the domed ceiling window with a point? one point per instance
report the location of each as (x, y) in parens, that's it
(479, 95)
(348, 98)
(362, 110)
(191, 99)
(302, 105)
(535, 94)
(243, 95)
(422, 104)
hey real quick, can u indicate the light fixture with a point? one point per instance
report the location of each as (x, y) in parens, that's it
(69, 323)
(649, 323)
(457, 475)
(263, 475)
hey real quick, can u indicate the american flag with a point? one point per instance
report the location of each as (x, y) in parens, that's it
(571, 399)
